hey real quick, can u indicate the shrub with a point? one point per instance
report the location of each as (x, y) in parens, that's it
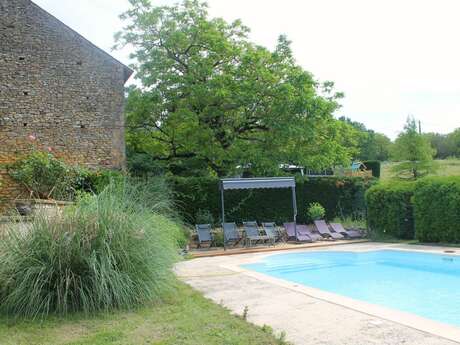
(390, 211)
(45, 176)
(108, 251)
(316, 211)
(218, 238)
(340, 196)
(374, 166)
(437, 209)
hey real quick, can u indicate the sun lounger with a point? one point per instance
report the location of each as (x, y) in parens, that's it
(300, 236)
(231, 234)
(337, 227)
(307, 229)
(252, 233)
(271, 232)
(204, 234)
(323, 229)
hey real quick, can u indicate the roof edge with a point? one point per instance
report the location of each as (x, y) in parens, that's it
(255, 183)
(127, 71)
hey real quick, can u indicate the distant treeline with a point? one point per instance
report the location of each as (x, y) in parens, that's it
(377, 146)
(446, 145)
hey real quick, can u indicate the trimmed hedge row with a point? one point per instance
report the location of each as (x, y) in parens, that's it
(437, 209)
(427, 210)
(340, 196)
(390, 211)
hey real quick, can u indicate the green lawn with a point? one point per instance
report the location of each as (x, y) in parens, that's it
(185, 317)
(447, 167)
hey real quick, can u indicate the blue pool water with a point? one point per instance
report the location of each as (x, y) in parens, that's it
(424, 284)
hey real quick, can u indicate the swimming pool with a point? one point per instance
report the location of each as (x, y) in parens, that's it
(420, 283)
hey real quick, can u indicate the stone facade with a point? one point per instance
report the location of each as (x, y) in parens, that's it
(59, 88)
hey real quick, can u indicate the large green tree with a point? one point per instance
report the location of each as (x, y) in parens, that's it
(414, 152)
(382, 146)
(440, 142)
(446, 145)
(453, 143)
(210, 101)
(371, 145)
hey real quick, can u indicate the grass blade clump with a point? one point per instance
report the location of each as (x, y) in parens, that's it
(113, 250)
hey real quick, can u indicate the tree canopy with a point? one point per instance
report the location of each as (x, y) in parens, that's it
(371, 145)
(446, 145)
(413, 151)
(209, 101)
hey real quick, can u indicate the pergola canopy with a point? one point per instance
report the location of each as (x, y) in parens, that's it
(256, 183)
(250, 183)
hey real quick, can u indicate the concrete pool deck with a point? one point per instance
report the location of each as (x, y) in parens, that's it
(310, 316)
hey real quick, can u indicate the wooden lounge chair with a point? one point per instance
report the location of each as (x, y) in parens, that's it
(204, 234)
(253, 235)
(337, 227)
(300, 236)
(231, 234)
(323, 229)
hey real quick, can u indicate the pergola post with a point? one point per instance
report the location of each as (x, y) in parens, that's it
(222, 202)
(294, 206)
(221, 186)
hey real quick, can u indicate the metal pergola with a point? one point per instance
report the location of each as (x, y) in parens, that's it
(256, 183)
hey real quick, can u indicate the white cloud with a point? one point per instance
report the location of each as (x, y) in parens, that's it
(391, 58)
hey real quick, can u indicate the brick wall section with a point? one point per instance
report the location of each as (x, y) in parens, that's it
(57, 86)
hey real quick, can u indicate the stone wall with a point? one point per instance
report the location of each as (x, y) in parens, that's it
(58, 87)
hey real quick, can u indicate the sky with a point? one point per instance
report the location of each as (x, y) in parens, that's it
(391, 58)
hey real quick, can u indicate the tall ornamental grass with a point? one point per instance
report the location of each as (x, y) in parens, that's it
(113, 250)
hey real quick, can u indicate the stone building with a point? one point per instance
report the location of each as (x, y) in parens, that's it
(59, 88)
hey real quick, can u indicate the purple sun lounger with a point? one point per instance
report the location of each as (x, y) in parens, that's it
(302, 236)
(323, 229)
(309, 229)
(337, 227)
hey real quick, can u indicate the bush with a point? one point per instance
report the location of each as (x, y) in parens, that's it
(45, 176)
(437, 209)
(218, 238)
(316, 211)
(390, 211)
(374, 166)
(340, 196)
(108, 251)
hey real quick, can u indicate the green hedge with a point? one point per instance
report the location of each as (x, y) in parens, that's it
(437, 209)
(390, 211)
(339, 196)
(374, 166)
